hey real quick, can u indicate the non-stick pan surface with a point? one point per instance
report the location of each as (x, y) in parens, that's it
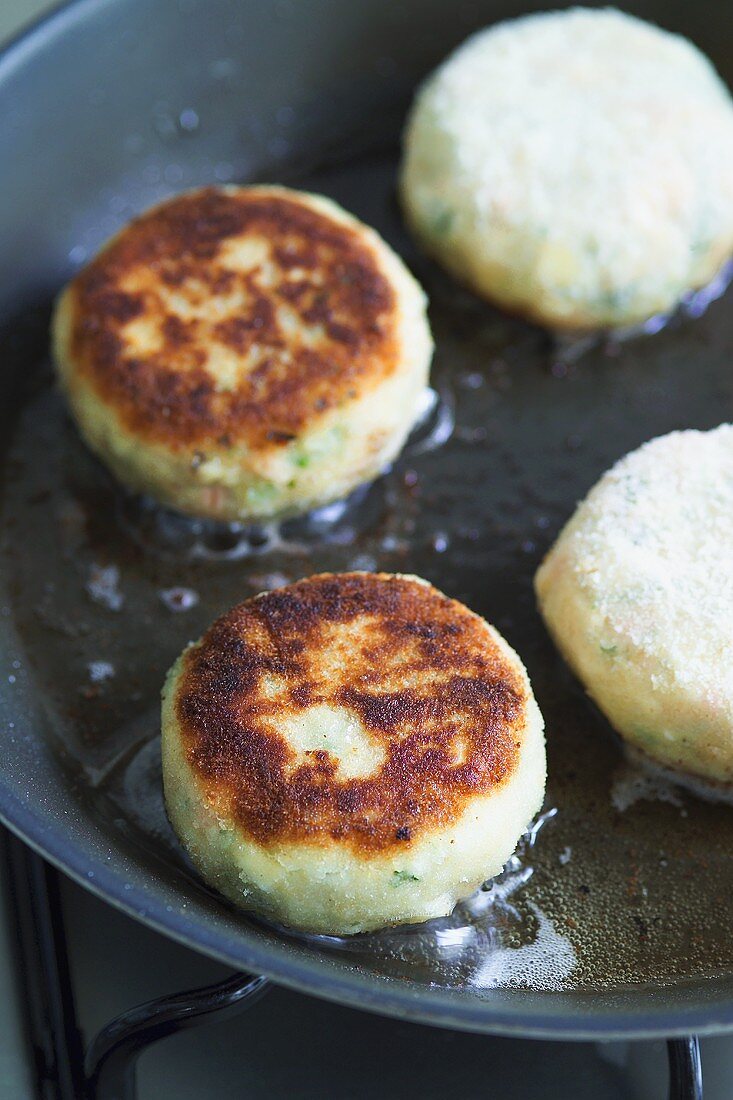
(615, 918)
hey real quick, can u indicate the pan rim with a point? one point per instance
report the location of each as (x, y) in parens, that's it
(314, 974)
(356, 989)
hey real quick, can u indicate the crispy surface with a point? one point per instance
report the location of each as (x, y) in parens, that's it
(237, 314)
(422, 674)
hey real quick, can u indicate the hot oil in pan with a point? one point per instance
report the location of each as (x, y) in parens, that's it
(106, 593)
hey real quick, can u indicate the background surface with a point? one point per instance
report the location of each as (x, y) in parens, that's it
(15, 14)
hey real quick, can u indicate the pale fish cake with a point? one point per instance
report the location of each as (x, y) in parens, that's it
(638, 594)
(352, 751)
(575, 167)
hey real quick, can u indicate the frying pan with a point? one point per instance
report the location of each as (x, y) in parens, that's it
(109, 105)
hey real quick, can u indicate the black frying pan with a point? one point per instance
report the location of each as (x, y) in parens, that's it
(109, 105)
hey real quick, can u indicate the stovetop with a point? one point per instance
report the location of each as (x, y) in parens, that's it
(288, 1045)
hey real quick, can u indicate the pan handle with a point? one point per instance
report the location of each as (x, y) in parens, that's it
(685, 1068)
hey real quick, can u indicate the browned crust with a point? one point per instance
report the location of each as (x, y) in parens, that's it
(320, 268)
(422, 673)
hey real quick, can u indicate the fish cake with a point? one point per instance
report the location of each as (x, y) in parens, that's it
(575, 167)
(244, 353)
(638, 594)
(352, 751)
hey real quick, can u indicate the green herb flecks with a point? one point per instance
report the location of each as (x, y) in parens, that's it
(400, 877)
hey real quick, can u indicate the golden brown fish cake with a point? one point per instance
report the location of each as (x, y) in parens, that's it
(351, 751)
(244, 352)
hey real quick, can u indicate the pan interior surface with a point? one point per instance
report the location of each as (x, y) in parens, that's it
(622, 889)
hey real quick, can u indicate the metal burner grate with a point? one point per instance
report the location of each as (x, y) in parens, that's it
(107, 1072)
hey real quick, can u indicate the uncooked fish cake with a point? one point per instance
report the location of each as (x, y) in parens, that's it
(638, 594)
(244, 352)
(575, 167)
(352, 751)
